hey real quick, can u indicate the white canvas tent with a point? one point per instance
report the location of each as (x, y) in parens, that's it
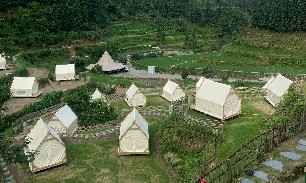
(64, 121)
(97, 95)
(2, 62)
(107, 64)
(199, 83)
(24, 87)
(217, 100)
(65, 72)
(134, 135)
(134, 97)
(276, 88)
(172, 91)
(50, 149)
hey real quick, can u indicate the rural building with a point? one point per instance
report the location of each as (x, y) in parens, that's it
(199, 83)
(217, 100)
(97, 95)
(134, 135)
(24, 87)
(276, 88)
(134, 97)
(50, 149)
(107, 64)
(65, 72)
(2, 62)
(151, 69)
(172, 91)
(64, 121)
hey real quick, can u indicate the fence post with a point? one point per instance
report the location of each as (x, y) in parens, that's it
(229, 171)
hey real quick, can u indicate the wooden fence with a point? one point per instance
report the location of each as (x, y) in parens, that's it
(252, 151)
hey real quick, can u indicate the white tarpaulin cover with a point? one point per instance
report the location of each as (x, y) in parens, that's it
(134, 97)
(50, 149)
(24, 86)
(277, 88)
(65, 72)
(64, 121)
(172, 91)
(218, 100)
(2, 62)
(134, 135)
(107, 63)
(199, 83)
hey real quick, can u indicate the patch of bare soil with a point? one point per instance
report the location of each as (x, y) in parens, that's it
(38, 73)
(3, 72)
(16, 104)
(264, 107)
(18, 174)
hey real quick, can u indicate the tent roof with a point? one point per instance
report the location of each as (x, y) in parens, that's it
(64, 69)
(91, 66)
(199, 83)
(23, 83)
(213, 91)
(96, 95)
(131, 91)
(38, 134)
(108, 64)
(134, 116)
(170, 86)
(2, 59)
(269, 82)
(66, 115)
(279, 85)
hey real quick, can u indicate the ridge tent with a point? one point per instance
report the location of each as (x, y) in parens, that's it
(134, 135)
(107, 64)
(65, 72)
(50, 149)
(217, 100)
(276, 88)
(64, 121)
(24, 87)
(172, 91)
(199, 83)
(2, 62)
(134, 97)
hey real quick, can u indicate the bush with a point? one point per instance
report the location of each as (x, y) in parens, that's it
(184, 74)
(21, 72)
(42, 82)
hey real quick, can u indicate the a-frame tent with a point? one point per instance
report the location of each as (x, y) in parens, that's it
(172, 91)
(134, 97)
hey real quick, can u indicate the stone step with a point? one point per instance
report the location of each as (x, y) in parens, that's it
(246, 180)
(275, 164)
(301, 147)
(262, 176)
(302, 142)
(291, 155)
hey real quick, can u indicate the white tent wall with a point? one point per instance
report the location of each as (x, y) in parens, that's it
(178, 94)
(51, 153)
(134, 141)
(137, 100)
(232, 106)
(167, 96)
(65, 77)
(210, 108)
(35, 87)
(73, 127)
(272, 98)
(2, 65)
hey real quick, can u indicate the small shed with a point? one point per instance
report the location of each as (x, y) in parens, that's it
(50, 149)
(97, 95)
(64, 121)
(276, 88)
(151, 69)
(134, 135)
(199, 83)
(24, 87)
(172, 91)
(2, 62)
(134, 97)
(65, 72)
(217, 100)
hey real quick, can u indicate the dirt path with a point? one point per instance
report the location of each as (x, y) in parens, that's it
(264, 107)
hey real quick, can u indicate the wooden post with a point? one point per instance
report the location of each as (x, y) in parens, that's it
(305, 174)
(229, 171)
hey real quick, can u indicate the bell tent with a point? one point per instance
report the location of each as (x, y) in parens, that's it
(24, 87)
(172, 91)
(134, 135)
(107, 64)
(276, 88)
(2, 62)
(217, 100)
(65, 72)
(64, 121)
(49, 149)
(97, 95)
(134, 97)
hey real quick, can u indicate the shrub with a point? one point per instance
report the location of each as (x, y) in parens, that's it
(21, 72)
(184, 74)
(42, 82)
